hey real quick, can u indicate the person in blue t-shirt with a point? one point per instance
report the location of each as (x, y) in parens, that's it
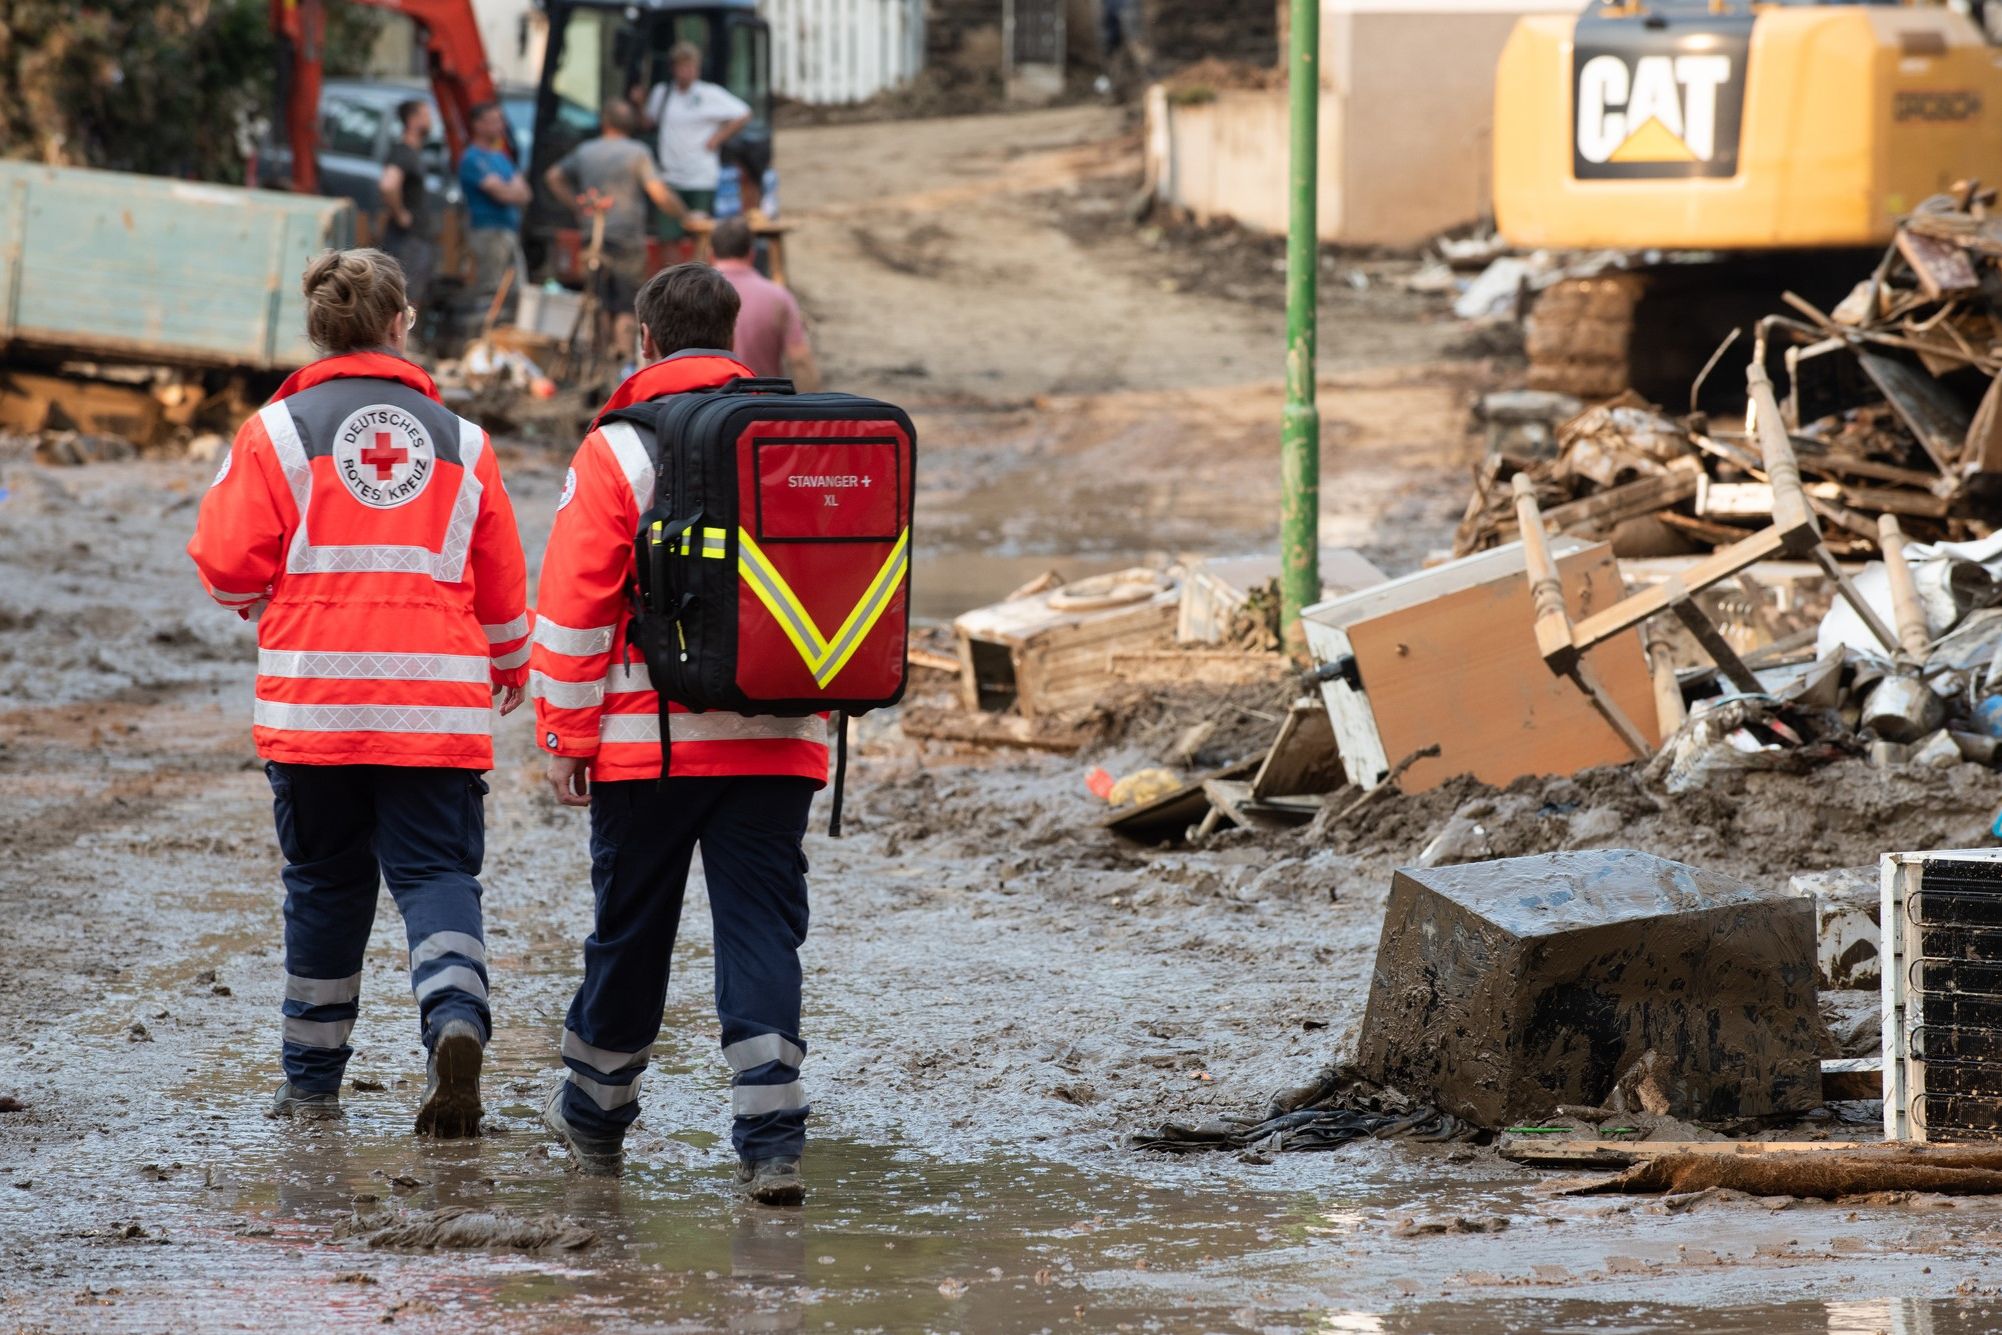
(495, 192)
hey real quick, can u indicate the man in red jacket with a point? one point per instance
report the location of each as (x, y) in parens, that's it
(739, 788)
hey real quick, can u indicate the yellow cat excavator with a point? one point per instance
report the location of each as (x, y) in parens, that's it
(1726, 152)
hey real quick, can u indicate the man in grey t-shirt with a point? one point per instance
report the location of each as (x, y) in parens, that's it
(614, 174)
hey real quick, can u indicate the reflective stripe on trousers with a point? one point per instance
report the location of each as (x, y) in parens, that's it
(610, 1079)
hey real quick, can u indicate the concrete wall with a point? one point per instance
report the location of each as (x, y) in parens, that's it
(1407, 89)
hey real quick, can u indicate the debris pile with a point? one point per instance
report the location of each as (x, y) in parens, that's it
(1342, 1106)
(1892, 407)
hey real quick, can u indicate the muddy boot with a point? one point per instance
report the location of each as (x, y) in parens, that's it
(771, 1182)
(290, 1102)
(601, 1156)
(451, 1106)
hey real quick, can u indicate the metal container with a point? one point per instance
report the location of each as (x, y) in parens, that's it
(548, 311)
(118, 267)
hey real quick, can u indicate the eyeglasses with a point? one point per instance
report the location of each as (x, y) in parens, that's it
(409, 318)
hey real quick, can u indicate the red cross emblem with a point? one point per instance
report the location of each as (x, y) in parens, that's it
(384, 456)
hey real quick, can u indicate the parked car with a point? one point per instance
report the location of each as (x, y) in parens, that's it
(358, 124)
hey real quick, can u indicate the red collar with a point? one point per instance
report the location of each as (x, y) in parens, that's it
(351, 365)
(697, 368)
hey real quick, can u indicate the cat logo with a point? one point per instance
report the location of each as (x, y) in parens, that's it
(1658, 113)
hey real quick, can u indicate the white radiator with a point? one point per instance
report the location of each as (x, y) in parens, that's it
(1942, 957)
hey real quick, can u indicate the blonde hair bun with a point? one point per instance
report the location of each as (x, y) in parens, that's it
(353, 299)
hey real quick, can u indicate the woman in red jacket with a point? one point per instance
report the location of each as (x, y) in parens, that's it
(366, 528)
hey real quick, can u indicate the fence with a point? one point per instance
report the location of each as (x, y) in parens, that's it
(834, 51)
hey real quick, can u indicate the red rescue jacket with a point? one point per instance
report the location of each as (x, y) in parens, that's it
(367, 528)
(593, 697)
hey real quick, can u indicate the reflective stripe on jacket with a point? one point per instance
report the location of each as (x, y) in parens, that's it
(369, 527)
(593, 697)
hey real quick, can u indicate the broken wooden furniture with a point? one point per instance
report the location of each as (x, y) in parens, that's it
(1050, 652)
(1172, 815)
(1302, 766)
(1563, 643)
(1286, 788)
(1217, 590)
(1504, 989)
(1446, 657)
(768, 230)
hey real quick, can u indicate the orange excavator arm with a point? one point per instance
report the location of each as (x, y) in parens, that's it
(460, 76)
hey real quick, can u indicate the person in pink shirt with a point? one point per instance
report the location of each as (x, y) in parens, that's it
(771, 338)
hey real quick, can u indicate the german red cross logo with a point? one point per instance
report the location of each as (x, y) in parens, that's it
(384, 456)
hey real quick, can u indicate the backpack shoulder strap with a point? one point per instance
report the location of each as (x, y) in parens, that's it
(644, 419)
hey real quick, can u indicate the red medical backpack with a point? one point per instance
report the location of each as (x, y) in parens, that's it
(774, 567)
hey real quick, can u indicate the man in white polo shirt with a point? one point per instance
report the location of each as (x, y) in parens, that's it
(695, 120)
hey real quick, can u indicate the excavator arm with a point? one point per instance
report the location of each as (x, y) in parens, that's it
(460, 76)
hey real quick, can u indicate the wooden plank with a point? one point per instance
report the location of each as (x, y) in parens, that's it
(1303, 757)
(983, 729)
(1898, 501)
(1930, 409)
(1852, 1078)
(1233, 798)
(931, 659)
(94, 407)
(1841, 466)
(1734, 500)
(1717, 535)
(1216, 667)
(1719, 565)
(1462, 671)
(1578, 1153)
(1942, 267)
(1598, 514)
(1982, 449)
(1982, 235)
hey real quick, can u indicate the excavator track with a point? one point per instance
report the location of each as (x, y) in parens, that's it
(1652, 328)
(1580, 335)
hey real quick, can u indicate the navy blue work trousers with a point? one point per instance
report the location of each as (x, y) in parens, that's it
(345, 829)
(643, 836)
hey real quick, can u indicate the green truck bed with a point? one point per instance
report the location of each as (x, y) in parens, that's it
(139, 268)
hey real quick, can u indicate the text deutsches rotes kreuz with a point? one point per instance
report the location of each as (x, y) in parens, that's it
(384, 456)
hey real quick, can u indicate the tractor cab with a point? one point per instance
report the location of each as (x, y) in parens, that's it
(604, 49)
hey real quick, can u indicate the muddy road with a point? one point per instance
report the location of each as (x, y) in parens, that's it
(995, 995)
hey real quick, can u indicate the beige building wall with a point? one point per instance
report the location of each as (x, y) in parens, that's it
(1407, 90)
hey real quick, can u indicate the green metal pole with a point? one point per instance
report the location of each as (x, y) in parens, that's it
(1300, 433)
